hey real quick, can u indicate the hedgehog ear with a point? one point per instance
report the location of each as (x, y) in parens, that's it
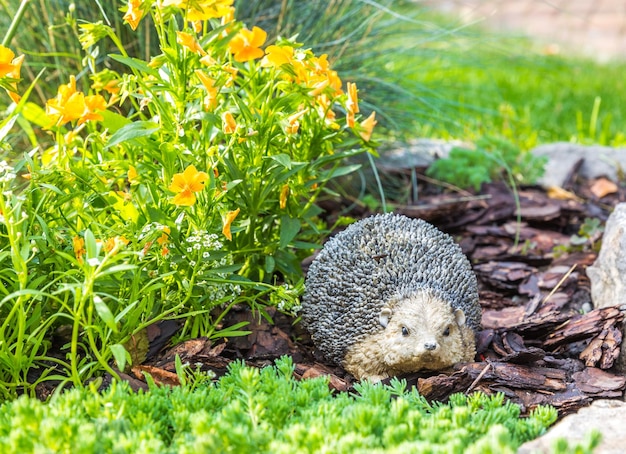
(459, 317)
(384, 316)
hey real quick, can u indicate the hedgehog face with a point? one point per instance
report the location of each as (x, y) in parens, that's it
(423, 332)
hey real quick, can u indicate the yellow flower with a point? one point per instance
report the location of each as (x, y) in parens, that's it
(134, 13)
(277, 56)
(210, 100)
(292, 122)
(228, 220)
(202, 9)
(79, 248)
(229, 123)
(368, 126)
(132, 174)
(124, 205)
(352, 104)
(7, 64)
(190, 42)
(70, 105)
(186, 184)
(165, 236)
(15, 74)
(284, 193)
(246, 44)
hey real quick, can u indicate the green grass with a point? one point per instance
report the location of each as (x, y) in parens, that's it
(505, 85)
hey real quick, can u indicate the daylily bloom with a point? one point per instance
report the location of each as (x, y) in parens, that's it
(186, 184)
(368, 126)
(246, 44)
(70, 105)
(190, 42)
(284, 193)
(134, 13)
(202, 9)
(228, 220)
(229, 123)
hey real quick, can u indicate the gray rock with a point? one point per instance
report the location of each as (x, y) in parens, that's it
(597, 161)
(606, 416)
(608, 273)
(416, 153)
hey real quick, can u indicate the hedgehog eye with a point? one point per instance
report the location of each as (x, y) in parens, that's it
(447, 331)
(405, 331)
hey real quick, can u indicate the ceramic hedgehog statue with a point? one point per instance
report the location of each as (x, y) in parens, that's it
(392, 295)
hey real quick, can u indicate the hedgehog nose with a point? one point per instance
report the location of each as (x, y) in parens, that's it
(430, 345)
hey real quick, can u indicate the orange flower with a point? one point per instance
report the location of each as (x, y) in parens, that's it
(277, 56)
(228, 220)
(162, 240)
(115, 242)
(134, 13)
(246, 44)
(202, 9)
(70, 105)
(368, 126)
(190, 42)
(79, 248)
(284, 193)
(229, 123)
(186, 183)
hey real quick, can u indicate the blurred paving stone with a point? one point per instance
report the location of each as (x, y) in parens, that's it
(605, 416)
(595, 28)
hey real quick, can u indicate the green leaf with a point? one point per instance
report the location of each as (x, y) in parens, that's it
(121, 356)
(132, 131)
(91, 247)
(105, 313)
(113, 121)
(134, 63)
(289, 228)
(283, 159)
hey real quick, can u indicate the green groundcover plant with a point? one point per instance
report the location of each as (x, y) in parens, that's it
(169, 187)
(252, 410)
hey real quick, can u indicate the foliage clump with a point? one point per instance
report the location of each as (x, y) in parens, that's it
(492, 159)
(171, 186)
(251, 410)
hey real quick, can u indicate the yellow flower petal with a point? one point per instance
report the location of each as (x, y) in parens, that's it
(186, 183)
(246, 44)
(368, 126)
(229, 125)
(228, 220)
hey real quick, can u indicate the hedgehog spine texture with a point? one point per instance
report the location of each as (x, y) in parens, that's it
(372, 261)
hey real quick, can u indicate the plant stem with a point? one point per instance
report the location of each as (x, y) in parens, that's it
(15, 23)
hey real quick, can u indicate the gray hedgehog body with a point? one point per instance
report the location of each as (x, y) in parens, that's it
(390, 295)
